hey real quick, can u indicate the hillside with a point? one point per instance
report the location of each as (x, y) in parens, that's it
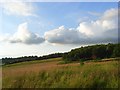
(79, 54)
(54, 73)
(98, 51)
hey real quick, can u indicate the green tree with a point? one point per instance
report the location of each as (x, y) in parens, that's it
(116, 51)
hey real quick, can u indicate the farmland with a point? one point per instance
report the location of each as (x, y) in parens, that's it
(53, 73)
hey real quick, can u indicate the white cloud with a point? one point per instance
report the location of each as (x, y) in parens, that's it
(63, 35)
(102, 30)
(108, 21)
(18, 8)
(110, 14)
(23, 35)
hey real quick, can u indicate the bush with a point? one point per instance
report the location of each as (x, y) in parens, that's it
(81, 62)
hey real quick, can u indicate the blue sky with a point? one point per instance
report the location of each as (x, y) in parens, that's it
(48, 26)
(56, 14)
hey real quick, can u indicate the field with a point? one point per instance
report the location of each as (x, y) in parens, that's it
(54, 73)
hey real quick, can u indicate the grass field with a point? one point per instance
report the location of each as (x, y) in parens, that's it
(52, 74)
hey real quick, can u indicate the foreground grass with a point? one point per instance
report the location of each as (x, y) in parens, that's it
(89, 75)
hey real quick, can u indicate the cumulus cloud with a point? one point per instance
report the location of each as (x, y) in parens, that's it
(18, 8)
(102, 30)
(107, 22)
(62, 35)
(23, 35)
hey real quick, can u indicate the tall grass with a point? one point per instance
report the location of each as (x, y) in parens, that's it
(97, 75)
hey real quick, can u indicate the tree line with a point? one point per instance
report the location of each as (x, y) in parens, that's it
(83, 53)
(11, 60)
(93, 52)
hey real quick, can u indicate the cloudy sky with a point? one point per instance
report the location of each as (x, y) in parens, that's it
(39, 28)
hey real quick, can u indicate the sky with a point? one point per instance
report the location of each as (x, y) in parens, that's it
(40, 28)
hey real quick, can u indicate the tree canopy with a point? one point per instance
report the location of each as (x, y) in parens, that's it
(93, 52)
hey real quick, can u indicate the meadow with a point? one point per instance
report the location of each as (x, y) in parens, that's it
(54, 73)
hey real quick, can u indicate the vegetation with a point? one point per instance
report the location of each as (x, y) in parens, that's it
(89, 75)
(31, 62)
(94, 67)
(29, 58)
(83, 53)
(93, 52)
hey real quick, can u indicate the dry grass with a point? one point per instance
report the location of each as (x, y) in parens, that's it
(13, 70)
(52, 74)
